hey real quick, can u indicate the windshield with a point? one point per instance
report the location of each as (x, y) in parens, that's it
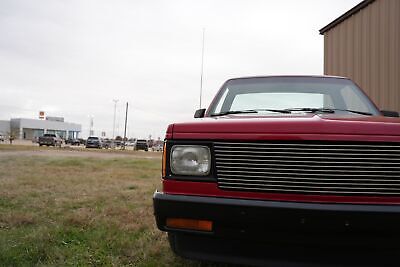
(294, 94)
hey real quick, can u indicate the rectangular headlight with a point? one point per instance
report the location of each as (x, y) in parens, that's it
(190, 160)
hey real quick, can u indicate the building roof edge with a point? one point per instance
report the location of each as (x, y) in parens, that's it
(345, 16)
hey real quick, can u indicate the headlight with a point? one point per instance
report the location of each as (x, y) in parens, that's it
(190, 160)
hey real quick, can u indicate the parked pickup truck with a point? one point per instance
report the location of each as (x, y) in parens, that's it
(50, 140)
(141, 144)
(283, 169)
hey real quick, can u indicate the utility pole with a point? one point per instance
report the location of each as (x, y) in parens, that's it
(91, 126)
(115, 114)
(126, 122)
(202, 63)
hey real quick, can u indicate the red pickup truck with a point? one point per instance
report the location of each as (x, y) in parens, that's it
(283, 169)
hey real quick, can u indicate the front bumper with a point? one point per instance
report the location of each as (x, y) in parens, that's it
(284, 222)
(273, 233)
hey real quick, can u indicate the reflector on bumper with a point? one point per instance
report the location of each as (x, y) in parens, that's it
(189, 224)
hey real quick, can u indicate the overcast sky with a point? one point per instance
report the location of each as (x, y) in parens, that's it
(71, 58)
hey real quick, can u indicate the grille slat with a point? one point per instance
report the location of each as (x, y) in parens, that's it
(237, 160)
(296, 181)
(340, 168)
(307, 178)
(285, 148)
(297, 191)
(320, 165)
(255, 169)
(245, 152)
(310, 157)
(305, 144)
(262, 184)
(322, 176)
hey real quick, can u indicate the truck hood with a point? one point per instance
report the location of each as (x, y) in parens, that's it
(287, 124)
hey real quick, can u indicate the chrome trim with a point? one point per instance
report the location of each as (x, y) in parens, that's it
(252, 181)
(304, 178)
(319, 187)
(309, 191)
(301, 153)
(307, 167)
(252, 156)
(299, 165)
(302, 170)
(312, 174)
(326, 144)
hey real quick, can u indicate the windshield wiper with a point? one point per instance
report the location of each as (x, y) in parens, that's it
(328, 110)
(249, 111)
(312, 110)
(354, 111)
(289, 110)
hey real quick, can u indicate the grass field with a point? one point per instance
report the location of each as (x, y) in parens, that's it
(80, 211)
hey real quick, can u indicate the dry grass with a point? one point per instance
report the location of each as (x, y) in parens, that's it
(80, 211)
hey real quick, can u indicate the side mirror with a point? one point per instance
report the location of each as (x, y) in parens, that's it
(388, 113)
(200, 113)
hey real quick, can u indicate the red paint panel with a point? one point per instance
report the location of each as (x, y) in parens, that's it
(293, 137)
(321, 124)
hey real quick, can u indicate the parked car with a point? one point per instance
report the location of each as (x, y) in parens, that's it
(157, 148)
(279, 168)
(50, 140)
(73, 141)
(107, 143)
(141, 144)
(82, 141)
(117, 142)
(93, 142)
(130, 143)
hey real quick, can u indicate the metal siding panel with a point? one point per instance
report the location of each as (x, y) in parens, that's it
(395, 53)
(366, 48)
(343, 52)
(357, 49)
(383, 54)
(364, 53)
(374, 83)
(326, 52)
(336, 51)
(349, 30)
(330, 57)
(392, 27)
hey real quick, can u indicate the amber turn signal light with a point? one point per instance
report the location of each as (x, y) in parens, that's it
(190, 224)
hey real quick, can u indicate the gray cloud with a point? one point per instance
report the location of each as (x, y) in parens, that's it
(71, 58)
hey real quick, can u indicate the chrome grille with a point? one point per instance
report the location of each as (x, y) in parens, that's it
(309, 167)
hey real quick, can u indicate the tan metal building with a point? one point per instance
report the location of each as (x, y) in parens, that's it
(364, 45)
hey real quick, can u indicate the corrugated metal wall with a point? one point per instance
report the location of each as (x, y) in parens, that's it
(366, 48)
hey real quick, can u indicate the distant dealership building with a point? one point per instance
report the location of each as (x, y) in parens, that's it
(364, 45)
(30, 128)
